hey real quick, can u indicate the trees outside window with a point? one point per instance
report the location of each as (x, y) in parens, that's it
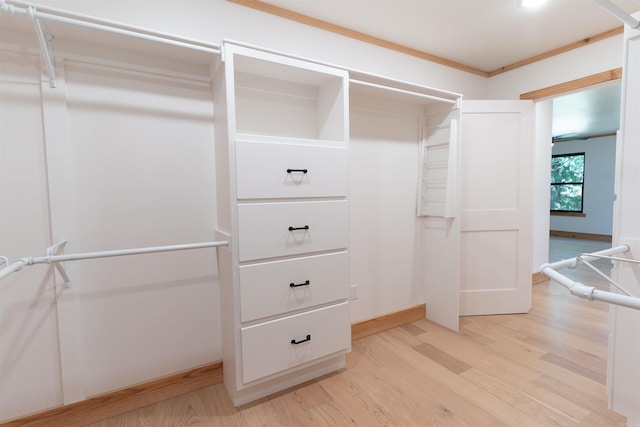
(567, 182)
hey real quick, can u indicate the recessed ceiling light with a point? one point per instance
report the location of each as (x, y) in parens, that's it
(530, 4)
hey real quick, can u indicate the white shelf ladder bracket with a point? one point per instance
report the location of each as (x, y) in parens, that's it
(58, 249)
(45, 39)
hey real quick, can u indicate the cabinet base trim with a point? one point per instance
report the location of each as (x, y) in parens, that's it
(301, 376)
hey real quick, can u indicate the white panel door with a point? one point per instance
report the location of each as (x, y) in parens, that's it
(496, 190)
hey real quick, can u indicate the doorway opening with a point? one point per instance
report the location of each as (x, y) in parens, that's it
(584, 126)
(569, 94)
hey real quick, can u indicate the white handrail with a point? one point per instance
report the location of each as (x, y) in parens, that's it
(51, 259)
(589, 292)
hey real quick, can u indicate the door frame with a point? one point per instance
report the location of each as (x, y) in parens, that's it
(540, 206)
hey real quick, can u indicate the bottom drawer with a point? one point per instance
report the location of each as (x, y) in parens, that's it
(281, 344)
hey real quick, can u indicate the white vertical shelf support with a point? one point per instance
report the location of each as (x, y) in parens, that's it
(57, 140)
(45, 40)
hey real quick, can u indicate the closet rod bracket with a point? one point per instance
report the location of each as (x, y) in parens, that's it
(45, 40)
(58, 249)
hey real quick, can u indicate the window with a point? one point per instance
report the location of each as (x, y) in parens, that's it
(567, 182)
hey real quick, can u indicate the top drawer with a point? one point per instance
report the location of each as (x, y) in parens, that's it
(288, 170)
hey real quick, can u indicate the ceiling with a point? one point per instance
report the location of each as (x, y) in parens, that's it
(485, 35)
(587, 113)
(488, 35)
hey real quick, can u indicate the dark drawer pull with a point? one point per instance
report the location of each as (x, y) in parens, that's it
(308, 338)
(297, 170)
(306, 227)
(306, 283)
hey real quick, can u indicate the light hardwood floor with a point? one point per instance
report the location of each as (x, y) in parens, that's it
(545, 368)
(564, 248)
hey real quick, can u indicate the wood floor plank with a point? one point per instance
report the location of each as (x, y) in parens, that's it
(443, 378)
(542, 369)
(443, 358)
(578, 395)
(517, 373)
(422, 389)
(575, 367)
(480, 356)
(541, 345)
(539, 327)
(520, 400)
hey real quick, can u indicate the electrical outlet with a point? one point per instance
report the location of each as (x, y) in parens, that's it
(354, 291)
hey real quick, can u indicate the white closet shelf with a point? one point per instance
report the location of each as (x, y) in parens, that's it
(250, 137)
(40, 16)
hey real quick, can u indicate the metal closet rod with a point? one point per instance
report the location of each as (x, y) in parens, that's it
(589, 292)
(402, 91)
(51, 258)
(34, 12)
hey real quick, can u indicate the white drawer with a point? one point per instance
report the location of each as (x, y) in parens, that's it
(285, 170)
(269, 230)
(276, 287)
(267, 348)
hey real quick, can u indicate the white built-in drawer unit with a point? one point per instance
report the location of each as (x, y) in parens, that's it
(282, 140)
(271, 347)
(267, 170)
(276, 287)
(268, 230)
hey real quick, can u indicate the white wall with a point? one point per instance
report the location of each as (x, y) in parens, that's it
(127, 161)
(542, 180)
(591, 59)
(29, 349)
(383, 185)
(623, 377)
(214, 20)
(118, 155)
(594, 58)
(600, 158)
(140, 172)
(142, 162)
